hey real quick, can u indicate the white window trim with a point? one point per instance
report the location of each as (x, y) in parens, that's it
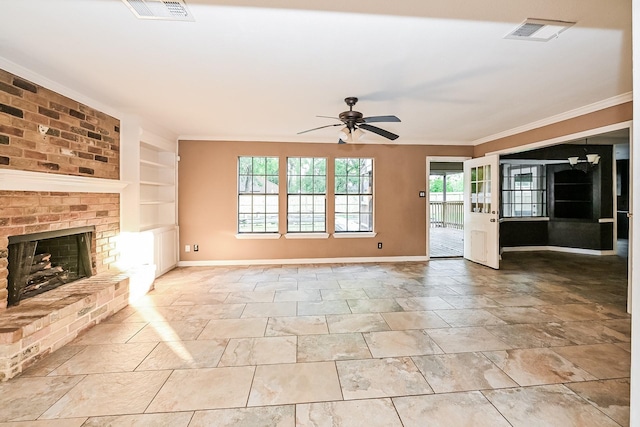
(355, 235)
(306, 236)
(258, 236)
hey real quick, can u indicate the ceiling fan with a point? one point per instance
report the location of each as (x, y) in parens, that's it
(354, 122)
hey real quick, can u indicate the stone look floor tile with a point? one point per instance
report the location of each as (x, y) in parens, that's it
(201, 298)
(66, 422)
(207, 312)
(27, 398)
(549, 405)
(457, 340)
(234, 328)
(295, 383)
(423, 303)
(345, 323)
(376, 412)
(297, 295)
(191, 389)
(169, 331)
(447, 373)
(109, 394)
(537, 366)
(531, 335)
(269, 309)
(593, 332)
(469, 317)
(601, 360)
(400, 343)
(323, 307)
(270, 416)
(109, 333)
(193, 313)
(97, 359)
(470, 301)
(290, 285)
(342, 294)
(315, 348)
(364, 379)
(302, 325)
(514, 315)
(518, 300)
(414, 320)
(249, 296)
(259, 351)
(610, 396)
(469, 409)
(573, 312)
(175, 419)
(184, 355)
(52, 361)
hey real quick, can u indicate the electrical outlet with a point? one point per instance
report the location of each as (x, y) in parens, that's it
(195, 248)
(187, 248)
(379, 245)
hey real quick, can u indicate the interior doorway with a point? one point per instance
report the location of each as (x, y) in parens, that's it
(446, 212)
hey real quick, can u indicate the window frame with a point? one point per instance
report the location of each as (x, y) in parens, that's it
(514, 194)
(348, 213)
(268, 210)
(319, 192)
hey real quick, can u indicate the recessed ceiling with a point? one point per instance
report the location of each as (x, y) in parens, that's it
(263, 70)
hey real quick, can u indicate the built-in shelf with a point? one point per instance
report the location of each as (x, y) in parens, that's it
(572, 195)
(156, 183)
(149, 202)
(156, 164)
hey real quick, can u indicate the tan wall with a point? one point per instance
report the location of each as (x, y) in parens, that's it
(605, 117)
(208, 200)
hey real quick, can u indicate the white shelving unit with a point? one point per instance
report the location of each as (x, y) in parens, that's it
(157, 187)
(149, 203)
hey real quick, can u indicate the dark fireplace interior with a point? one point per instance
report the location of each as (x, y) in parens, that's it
(40, 262)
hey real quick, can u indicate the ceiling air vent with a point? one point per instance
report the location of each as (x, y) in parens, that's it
(168, 10)
(541, 30)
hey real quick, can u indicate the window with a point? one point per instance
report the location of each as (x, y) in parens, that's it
(353, 195)
(306, 194)
(258, 194)
(524, 190)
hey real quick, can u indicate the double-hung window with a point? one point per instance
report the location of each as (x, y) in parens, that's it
(353, 195)
(524, 191)
(306, 194)
(258, 194)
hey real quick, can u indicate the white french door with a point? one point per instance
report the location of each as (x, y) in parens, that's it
(481, 211)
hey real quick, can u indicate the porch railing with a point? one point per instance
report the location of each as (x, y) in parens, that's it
(447, 215)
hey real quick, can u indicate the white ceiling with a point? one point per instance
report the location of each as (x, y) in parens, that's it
(263, 69)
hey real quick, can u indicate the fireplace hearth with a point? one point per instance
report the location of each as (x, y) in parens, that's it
(40, 262)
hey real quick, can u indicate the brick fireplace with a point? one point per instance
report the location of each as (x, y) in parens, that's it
(59, 170)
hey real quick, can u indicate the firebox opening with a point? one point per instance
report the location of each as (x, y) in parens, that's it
(43, 261)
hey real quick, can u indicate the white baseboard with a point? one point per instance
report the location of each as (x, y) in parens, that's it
(559, 249)
(349, 260)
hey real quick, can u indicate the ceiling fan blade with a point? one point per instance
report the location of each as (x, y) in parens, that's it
(329, 117)
(380, 119)
(381, 132)
(321, 127)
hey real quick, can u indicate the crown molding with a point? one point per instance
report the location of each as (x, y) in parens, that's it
(600, 105)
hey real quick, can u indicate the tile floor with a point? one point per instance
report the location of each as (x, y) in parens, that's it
(543, 341)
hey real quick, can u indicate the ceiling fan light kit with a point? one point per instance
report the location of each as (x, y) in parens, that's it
(354, 122)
